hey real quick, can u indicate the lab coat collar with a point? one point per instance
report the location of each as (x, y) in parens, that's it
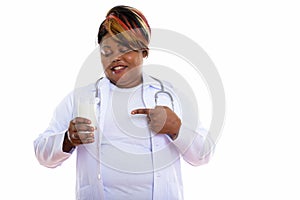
(98, 84)
(148, 82)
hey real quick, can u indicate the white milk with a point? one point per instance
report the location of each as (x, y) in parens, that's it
(86, 109)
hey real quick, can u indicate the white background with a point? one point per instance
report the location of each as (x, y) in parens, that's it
(254, 44)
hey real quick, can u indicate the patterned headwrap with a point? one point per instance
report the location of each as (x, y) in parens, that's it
(127, 26)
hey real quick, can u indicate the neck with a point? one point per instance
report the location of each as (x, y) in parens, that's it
(129, 84)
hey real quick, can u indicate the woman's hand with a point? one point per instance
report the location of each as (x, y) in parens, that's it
(80, 131)
(161, 120)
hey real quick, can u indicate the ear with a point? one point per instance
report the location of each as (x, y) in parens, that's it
(145, 53)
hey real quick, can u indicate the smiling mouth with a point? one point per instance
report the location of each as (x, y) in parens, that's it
(118, 69)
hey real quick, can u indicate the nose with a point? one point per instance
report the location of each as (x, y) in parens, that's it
(116, 57)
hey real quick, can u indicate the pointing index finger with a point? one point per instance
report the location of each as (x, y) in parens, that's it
(145, 111)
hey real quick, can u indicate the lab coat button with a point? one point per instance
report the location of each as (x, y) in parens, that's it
(99, 177)
(97, 100)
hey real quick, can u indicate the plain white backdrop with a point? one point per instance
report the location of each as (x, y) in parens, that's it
(255, 46)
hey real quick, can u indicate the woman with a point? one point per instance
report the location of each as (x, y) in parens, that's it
(132, 152)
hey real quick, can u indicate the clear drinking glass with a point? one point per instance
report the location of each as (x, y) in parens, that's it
(86, 108)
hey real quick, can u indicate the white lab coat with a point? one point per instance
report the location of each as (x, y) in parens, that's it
(166, 153)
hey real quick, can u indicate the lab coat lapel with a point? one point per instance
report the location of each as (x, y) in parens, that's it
(104, 93)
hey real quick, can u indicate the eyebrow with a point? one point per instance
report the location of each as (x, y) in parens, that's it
(107, 46)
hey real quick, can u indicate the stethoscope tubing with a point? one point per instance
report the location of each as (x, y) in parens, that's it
(162, 91)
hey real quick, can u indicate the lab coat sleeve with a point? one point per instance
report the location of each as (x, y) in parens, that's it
(195, 146)
(48, 146)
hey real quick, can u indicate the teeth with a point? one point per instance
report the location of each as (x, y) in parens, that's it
(118, 68)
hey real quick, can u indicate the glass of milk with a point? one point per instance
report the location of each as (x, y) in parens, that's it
(86, 108)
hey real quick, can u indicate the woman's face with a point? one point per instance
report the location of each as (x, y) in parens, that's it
(121, 65)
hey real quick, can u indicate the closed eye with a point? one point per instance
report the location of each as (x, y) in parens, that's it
(106, 53)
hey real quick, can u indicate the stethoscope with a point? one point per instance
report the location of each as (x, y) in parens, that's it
(156, 95)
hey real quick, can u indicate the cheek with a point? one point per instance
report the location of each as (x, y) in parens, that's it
(134, 60)
(104, 62)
